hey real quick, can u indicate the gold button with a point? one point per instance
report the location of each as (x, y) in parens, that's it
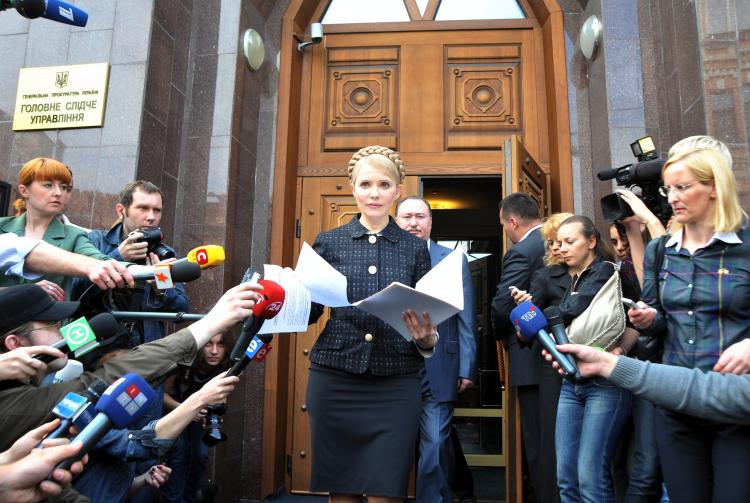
(372, 269)
(372, 239)
(368, 337)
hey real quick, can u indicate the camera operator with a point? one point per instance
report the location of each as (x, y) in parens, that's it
(26, 406)
(188, 458)
(140, 209)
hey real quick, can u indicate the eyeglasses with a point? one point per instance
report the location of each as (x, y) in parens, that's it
(678, 189)
(55, 324)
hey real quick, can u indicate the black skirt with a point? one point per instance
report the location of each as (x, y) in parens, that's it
(364, 431)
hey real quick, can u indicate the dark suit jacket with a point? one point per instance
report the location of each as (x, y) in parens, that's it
(455, 354)
(519, 263)
(370, 263)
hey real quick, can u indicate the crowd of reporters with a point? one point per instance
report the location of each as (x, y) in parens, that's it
(63, 434)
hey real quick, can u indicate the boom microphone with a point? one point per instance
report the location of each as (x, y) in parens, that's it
(55, 10)
(531, 324)
(122, 403)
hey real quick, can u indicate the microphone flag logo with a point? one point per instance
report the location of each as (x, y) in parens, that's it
(201, 256)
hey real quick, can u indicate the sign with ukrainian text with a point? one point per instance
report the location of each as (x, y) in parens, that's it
(61, 97)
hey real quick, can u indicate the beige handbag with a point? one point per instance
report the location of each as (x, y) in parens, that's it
(603, 322)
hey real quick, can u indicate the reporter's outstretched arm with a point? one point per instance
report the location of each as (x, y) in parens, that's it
(214, 391)
(47, 259)
(233, 307)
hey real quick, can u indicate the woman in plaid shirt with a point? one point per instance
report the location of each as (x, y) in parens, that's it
(701, 293)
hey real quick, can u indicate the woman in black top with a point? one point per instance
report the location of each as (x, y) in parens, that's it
(363, 394)
(591, 414)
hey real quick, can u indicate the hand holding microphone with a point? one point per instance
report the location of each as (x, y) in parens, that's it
(531, 324)
(19, 365)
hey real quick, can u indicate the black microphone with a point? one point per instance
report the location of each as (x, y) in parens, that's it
(557, 327)
(103, 325)
(73, 405)
(531, 324)
(181, 272)
(55, 10)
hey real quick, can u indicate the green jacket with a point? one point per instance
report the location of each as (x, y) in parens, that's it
(67, 237)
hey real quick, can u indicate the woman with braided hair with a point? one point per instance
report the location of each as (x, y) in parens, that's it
(363, 393)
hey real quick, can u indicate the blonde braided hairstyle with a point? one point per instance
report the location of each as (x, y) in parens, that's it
(391, 155)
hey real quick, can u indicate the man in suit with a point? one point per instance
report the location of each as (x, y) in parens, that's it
(449, 372)
(520, 218)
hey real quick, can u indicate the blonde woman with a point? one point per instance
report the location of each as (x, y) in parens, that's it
(364, 393)
(701, 293)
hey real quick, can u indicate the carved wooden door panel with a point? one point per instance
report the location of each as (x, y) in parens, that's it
(444, 100)
(325, 203)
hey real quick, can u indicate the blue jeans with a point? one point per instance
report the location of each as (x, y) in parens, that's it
(590, 418)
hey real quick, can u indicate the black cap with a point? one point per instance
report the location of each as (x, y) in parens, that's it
(24, 303)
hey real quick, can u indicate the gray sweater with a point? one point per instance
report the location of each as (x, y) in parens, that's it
(710, 395)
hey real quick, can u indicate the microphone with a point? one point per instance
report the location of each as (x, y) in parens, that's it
(73, 407)
(531, 323)
(72, 370)
(557, 327)
(55, 10)
(205, 256)
(81, 337)
(122, 403)
(180, 272)
(266, 308)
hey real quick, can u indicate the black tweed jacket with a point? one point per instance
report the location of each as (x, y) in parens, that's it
(352, 340)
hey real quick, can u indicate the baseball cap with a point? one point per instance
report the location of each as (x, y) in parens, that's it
(24, 303)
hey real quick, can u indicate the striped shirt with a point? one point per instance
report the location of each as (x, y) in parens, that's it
(703, 298)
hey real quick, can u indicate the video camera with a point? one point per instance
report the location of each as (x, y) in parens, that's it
(644, 174)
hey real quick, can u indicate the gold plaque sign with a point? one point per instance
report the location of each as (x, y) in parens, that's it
(61, 97)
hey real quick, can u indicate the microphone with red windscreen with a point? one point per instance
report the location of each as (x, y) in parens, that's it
(266, 308)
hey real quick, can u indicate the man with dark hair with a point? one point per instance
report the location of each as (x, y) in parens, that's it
(140, 208)
(449, 372)
(520, 219)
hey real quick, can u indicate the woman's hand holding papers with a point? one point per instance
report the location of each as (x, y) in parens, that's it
(422, 331)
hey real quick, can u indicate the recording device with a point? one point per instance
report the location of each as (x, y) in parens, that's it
(77, 409)
(247, 347)
(531, 323)
(55, 10)
(122, 403)
(645, 175)
(557, 329)
(79, 341)
(154, 238)
(181, 272)
(206, 256)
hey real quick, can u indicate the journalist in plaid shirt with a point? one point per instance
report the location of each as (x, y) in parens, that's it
(702, 296)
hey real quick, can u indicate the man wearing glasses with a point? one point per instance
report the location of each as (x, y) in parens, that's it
(28, 326)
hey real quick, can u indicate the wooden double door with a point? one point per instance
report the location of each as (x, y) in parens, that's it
(452, 102)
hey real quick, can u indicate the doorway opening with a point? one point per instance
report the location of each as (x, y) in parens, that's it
(465, 216)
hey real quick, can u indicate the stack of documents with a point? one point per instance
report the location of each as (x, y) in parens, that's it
(440, 293)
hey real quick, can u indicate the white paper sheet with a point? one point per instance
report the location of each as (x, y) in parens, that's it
(327, 286)
(390, 303)
(295, 312)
